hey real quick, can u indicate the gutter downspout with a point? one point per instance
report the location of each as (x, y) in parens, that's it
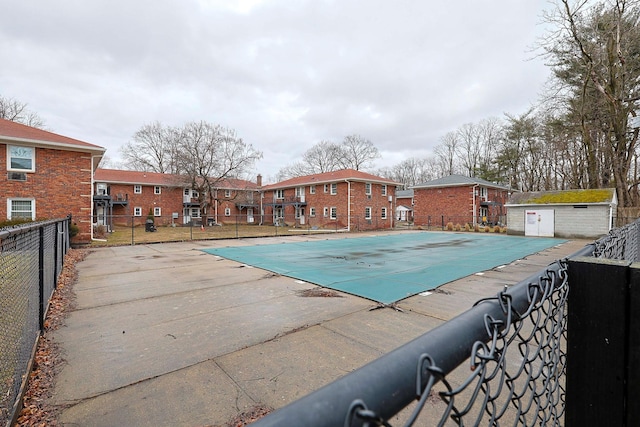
(91, 198)
(348, 204)
(473, 195)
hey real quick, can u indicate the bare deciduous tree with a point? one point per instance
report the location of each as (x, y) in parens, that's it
(207, 154)
(357, 153)
(153, 149)
(16, 111)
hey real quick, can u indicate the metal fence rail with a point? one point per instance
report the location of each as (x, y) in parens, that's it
(514, 346)
(31, 258)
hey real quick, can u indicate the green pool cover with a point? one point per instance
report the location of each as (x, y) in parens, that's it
(391, 267)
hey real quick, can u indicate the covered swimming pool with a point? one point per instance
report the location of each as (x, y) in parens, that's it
(387, 268)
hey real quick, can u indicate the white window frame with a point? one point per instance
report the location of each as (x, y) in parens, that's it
(312, 189)
(299, 191)
(137, 189)
(383, 189)
(157, 211)
(17, 149)
(137, 211)
(326, 188)
(227, 211)
(333, 213)
(334, 188)
(325, 212)
(383, 213)
(367, 212)
(299, 212)
(484, 193)
(312, 212)
(227, 193)
(187, 191)
(157, 189)
(20, 199)
(279, 194)
(367, 188)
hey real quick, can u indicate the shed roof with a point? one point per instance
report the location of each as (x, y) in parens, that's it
(458, 181)
(565, 197)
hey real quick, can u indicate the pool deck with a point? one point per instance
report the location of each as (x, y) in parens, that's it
(165, 334)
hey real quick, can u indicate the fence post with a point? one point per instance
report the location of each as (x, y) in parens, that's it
(597, 332)
(633, 383)
(41, 277)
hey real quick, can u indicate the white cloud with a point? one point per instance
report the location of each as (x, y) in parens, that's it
(284, 74)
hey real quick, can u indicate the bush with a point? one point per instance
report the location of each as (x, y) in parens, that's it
(497, 229)
(450, 226)
(487, 229)
(14, 222)
(467, 227)
(476, 228)
(458, 227)
(100, 231)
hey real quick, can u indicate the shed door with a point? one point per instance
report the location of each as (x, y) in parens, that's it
(540, 223)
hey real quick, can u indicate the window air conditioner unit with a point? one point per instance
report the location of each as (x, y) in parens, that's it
(17, 176)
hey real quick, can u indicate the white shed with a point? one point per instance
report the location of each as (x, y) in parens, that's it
(584, 214)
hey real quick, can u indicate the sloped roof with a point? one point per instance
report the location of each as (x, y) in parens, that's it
(404, 194)
(327, 177)
(565, 197)
(458, 181)
(116, 176)
(13, 132)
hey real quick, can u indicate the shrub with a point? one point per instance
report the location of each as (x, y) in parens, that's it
(467, 227)
(487, 229)
(450, 226)
(476, 228)
(497, 229)
(458, 227)
(74, 230)
(100, 231)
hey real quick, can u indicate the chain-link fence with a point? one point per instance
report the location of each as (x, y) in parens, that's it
(514, 346)
(31, 258)
(131, 230)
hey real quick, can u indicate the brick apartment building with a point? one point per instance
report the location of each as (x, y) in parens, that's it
(460, 200)
(123, 196)
(47, 175)
(345, 199)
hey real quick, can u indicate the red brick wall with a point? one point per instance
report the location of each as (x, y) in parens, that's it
(340, 201)
(454, 203)
(169, 201)
(61, 185)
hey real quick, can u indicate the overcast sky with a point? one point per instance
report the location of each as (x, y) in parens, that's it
(285, 74)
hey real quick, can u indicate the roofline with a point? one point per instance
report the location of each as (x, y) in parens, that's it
(71, 147)
(377, 181)
(609, 203)
(462, 184)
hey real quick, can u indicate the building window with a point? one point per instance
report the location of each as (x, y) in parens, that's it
(367, 188)
(383, 213)
(334, 212)
(312, 189)
(299, 191)
(367, 212)
(157, 212)
(137, 211)
(279, 194)
(227, 211)
(334, 188)
(325, 212)
(21, 208)
(137, 189)
(227, 193)
(195, 213)
(187, 191)
(157, 189)
(312, 212)
(299, 212)
(484, 193)
(101, 189)
(21, 158)
(384, 189)
(326, 188)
